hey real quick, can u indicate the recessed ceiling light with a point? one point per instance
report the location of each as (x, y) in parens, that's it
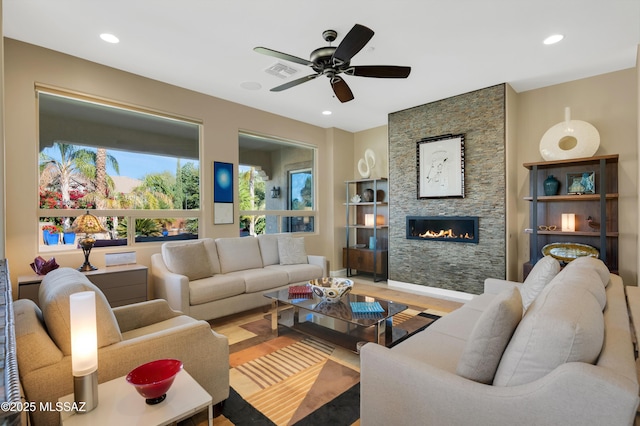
(109, 38)
(326, 112)
(553, 39)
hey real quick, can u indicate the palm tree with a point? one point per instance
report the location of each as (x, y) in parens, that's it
(251, 193)
(70, 168)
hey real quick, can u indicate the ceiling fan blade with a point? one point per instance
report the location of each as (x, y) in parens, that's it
(352, 43)
(280, 55)
(341, 89)
(379, 71)
(294, 83)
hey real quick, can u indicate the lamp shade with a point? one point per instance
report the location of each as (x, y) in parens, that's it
(568, 222)
(368, 220)
(84, 338)
(87, 224)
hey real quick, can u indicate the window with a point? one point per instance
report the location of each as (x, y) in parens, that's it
(276, 185)
(300, 198)
(138, 172)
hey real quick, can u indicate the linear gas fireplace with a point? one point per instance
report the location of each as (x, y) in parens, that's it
(462, 229)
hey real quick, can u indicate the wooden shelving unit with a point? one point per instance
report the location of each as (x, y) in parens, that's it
(357, 255)
(602, 207)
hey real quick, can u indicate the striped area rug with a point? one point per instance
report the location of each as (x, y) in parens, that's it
(295, 379)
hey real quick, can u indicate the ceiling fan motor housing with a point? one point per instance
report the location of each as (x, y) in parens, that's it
(322, 59)
(329, 35)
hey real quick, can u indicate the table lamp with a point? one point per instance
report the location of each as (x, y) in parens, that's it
(568, 222)
(87, 224)
(84, 349)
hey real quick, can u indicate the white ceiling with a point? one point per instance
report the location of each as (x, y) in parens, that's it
(453, 46)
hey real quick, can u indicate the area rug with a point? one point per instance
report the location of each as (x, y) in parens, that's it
(294, 379)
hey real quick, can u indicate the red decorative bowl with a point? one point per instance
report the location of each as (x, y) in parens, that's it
(153, 379)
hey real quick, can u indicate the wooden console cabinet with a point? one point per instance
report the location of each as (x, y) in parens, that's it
(363, 260)
(122, 285)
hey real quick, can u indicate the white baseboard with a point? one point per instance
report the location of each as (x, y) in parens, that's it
(440, 293)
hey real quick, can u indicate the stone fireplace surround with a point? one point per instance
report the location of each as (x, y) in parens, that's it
(440, 265)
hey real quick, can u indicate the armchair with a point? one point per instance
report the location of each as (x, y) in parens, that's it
(127, 337)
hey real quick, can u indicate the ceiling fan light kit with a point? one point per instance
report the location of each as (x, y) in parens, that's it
(332, 61)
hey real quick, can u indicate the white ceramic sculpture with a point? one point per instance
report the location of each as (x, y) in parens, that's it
(367, 163)
(569, 139)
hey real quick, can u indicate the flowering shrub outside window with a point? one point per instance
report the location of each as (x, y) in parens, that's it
(52, 229)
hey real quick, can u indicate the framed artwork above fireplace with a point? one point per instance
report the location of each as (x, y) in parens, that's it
(440, 164)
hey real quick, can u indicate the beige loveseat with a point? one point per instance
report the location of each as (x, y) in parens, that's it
(569, 360)
(209, 279)
(128, 336)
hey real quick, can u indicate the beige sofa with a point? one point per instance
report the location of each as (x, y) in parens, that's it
(128, 336)
(569, 360)
(208, 278)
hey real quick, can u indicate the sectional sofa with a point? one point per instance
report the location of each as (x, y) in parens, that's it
(568, 360)
(208, 279)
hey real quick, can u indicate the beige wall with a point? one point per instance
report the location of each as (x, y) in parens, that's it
(376, 139)
(610, 103)
(26, 65)
(513, 233)
(341, 156)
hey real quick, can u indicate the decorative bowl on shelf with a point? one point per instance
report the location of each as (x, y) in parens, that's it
(153, 379)
(566, 252)
(331, 289)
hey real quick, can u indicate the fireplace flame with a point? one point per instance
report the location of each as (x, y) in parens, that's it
(445, 234)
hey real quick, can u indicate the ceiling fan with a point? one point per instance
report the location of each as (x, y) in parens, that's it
(333, 61)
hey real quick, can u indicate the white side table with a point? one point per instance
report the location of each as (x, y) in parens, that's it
(120, 404)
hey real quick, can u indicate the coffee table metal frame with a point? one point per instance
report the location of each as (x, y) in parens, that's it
(315, 310)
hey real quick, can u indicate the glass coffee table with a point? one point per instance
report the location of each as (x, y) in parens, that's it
(336, 322)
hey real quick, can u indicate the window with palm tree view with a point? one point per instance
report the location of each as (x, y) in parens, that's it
(137, 172)
(276, 185)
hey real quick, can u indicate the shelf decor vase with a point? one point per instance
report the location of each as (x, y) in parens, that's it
(367, 195)
(551, 185)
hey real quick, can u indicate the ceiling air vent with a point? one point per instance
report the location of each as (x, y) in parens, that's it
(281, 70)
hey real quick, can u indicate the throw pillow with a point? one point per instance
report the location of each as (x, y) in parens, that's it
(291, 251)
(565, 324)
(189, 259)
(490, 336)
(269, 249)
(541, 274)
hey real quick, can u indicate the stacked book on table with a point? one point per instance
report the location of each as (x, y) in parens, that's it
(300, 292)
(366, 310)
